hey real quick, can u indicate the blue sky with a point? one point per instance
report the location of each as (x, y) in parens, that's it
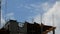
(23, 9)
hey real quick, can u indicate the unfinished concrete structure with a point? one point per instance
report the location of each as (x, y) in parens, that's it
(12, 27)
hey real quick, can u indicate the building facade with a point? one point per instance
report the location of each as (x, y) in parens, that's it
(28, 28)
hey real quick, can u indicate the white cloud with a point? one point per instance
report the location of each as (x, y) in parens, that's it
(54, 10)
(36, 8)
(10, 16)
(44, 6)
(37, 19)
(47, 17)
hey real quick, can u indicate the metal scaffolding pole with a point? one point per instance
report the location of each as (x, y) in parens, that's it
(5, 8)
(41, 23)
(53, 23)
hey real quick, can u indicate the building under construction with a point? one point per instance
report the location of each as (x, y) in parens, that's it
(12, 27)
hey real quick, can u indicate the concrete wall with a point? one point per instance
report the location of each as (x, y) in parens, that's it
(13, 27)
